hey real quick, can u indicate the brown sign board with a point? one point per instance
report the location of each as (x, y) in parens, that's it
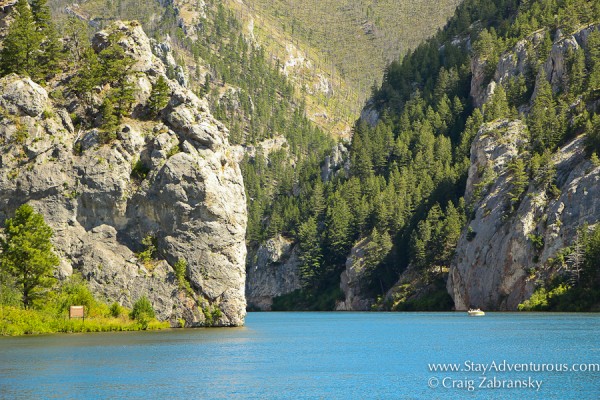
(76, 312)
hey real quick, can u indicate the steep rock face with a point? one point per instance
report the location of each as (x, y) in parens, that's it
(496, 259)
(478, 91)
(191, 200)
(6, 8)
(274, 272)
(495, 255)
(516, 62)
(512, 63)
(369, 113)
(338, 162)
(352, 279)
(555, 67)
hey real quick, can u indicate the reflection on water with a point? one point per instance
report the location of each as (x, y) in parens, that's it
(304, 355)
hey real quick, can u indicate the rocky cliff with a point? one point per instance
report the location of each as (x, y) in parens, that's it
(497, 259)
(352, 281)
(172, 179)
(502, 252)
(275, 271)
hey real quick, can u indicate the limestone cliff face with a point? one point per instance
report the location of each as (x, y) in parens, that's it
(496, 258)
(352, 280)
(555, 67)
(337, 163)
(273, 272)
(191, 200)
(516, 62)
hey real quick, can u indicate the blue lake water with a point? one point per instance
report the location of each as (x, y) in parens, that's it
(316, 355)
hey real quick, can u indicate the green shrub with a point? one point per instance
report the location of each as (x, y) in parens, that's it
(74, 291)
(212, 314)
(139, 170)
(142, 312)
(180, 269)
(541, 299)
(117, 310)
(9, 295)
(172, 151)
(149, 253)
(537, 240)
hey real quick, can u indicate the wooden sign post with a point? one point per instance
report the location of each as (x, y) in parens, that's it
(77, 312)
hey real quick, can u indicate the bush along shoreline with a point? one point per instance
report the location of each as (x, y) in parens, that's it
(53, 315)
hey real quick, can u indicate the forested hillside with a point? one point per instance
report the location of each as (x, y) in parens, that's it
(401, 209)
(355, 38)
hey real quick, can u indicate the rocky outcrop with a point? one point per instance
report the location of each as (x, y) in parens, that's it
(495, 145)
(517, 61)
(22, 96)
(163, 51)
(6, 8)
(556, 65)
(352, 281)
(173, 179)
(496, 257)
(478, 90)
(338, 162)
(274, 272)
(369, 114)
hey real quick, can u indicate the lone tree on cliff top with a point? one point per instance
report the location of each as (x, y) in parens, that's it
(27, 253)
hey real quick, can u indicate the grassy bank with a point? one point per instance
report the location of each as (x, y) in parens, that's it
(16, 321)
(51, 314)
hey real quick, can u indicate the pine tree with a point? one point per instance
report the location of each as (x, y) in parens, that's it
(594, 60)
(338, 228)
(76, 41)
(27, 253)
(110, 120)
(450, 232)
(419, 241)
(519, 182)
(275, 224)
(88, 76)
(497, 107)
(206, 86)
(542, 120)
(591, 269)
(41, 13)
(517, 91)
(50, 46)
(318, 199)
(575, 260)
(122, 96)
(592, 140)
(577, 72)
(472, 126)
(114, 66)
(310, 256)
(51, 51)
(159, 96)
(376, 250)
(21, 44)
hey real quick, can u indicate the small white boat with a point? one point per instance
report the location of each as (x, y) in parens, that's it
(475, 313)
